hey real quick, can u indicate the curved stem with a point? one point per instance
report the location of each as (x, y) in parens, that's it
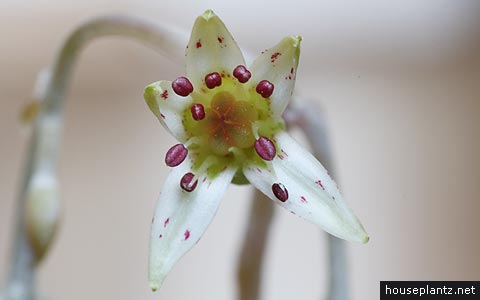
(45, 141)
(251, 256)
(312, 121)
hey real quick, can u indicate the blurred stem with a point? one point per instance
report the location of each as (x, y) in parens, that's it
(312, 121)
(44, 145)
(251, 257)
(308, 117)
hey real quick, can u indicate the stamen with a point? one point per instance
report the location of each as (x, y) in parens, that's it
(187, 183)
(238, 153)
(198, 112)
(192, 140)
(182, 86)
(176, 155)
(213, 80)
(280, 192)
(265, 88)
(242, 74)
(265, 148)
(255, 127)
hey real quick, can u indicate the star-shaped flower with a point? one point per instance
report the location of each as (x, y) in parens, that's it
(228, 120)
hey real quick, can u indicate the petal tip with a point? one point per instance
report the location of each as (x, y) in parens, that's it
(155, 283)
(293, 41)
(150, 91)
(149, 95)
(297, 40)
(208, 14)
(366, 239)
(361, 236)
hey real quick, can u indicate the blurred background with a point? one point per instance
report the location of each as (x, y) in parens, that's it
(399, 82)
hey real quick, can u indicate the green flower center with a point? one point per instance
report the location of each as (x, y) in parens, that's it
(235, 117)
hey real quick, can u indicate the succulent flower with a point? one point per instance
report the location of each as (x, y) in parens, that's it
(228, 121)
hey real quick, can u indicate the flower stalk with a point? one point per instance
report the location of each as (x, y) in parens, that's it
(250, 263)
(308, 116)
(37, 202)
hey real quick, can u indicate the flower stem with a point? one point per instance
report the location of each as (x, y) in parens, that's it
(250, 263)
(312, 121)
(44, 145)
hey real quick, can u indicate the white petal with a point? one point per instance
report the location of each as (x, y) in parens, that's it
(168, 107)
(181, 218)
(211, 49)
(279, 66)
(313, 195)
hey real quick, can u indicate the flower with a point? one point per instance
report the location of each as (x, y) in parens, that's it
(228, 120)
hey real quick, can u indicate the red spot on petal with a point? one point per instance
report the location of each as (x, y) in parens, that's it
(186, 234)
(199, 44)
(319, 182)
(160, 236)
(220, 39)
(291, 70)
(283, 151)
(162, 115)
(259, 170)
(274, 56)
(304, 200)
(166, 222)
(165, 95)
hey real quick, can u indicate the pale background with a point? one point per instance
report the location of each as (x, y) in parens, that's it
(399, 82)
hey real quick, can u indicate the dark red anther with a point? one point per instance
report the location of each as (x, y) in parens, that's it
(280, 192)
(265, 148)
(182, 86)
(186, 182)
(242, 74)
(213, 80)
(265, 88)
(198, 112)
(176, 155)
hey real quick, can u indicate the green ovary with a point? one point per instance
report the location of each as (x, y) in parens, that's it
(234, 117)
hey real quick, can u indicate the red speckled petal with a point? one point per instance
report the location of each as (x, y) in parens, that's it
(168, 107)
(211, 49)
(278, 65)
(312, 194)
(181, 218)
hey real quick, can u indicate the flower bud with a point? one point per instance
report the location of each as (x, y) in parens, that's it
(42, 212)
